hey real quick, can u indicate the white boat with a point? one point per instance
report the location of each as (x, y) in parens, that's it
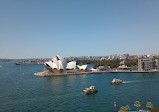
(116, 81)
(89, 90)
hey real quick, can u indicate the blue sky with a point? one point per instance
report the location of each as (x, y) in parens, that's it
(44, 28)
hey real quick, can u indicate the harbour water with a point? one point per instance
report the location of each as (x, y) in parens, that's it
(21, 91)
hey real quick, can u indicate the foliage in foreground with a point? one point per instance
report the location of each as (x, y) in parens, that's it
(124, 109)
(137, 104)
(149, 105)
(155, 109)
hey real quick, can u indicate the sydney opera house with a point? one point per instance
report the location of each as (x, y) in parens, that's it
(59, 64)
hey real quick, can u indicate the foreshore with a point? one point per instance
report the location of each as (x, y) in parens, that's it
(78, 72)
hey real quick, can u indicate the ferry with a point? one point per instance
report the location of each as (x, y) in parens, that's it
(28, 62)
(90, 90)
(116, 81)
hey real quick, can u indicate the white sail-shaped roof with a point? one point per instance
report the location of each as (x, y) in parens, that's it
(56, 63)
(54, 66)
(82, 67)
(50, 64)
(62, 62)
(71, 65)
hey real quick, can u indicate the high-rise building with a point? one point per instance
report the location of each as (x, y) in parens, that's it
(146, 64)
(157, 62)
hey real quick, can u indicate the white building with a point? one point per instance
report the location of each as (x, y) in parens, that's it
(82, 67)
(157, 62)
(60, 63)
(146, 64)
(71, 65)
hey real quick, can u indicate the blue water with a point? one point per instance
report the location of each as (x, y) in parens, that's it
(21, 91)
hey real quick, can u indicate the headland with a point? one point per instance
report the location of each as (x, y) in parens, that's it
(59, 66)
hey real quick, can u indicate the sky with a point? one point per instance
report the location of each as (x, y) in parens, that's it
(45, 28)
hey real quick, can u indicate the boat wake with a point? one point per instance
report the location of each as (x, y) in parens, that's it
(131, 81)
(140, 81)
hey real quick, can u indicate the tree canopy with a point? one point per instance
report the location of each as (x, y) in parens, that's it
(149, 105)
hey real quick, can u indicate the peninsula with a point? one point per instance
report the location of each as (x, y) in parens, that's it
(59, 66)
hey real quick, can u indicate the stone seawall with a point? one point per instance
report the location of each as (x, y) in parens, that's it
(77, 72)
(72, 72)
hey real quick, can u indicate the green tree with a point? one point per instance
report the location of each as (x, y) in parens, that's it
(155, 110)
(131, 62)
(137, 104)
(149, 105)
(127, 107)
(122, 109)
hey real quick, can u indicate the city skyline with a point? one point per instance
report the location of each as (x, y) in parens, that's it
(42, 29)
(107, 57)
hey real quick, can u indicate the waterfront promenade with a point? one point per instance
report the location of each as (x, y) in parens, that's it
(77, 72)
